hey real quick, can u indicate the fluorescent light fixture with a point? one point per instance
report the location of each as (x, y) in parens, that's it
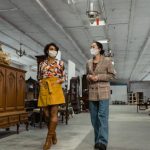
(103, 41)
(101, 23)
(71, 1)
(11, 9)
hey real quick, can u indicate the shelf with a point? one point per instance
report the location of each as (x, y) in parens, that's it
(135, 98)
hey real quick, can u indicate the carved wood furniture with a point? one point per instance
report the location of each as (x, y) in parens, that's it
(12, 93)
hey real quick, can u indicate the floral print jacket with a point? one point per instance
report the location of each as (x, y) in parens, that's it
(55, 69)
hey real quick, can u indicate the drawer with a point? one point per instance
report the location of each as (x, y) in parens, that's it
(13, 118)
(3, 121)
(24, 117)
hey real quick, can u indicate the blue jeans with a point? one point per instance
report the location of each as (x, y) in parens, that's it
(99, 111)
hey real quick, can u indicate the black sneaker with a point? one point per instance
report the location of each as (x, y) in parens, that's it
(102, 146)
(97, 146)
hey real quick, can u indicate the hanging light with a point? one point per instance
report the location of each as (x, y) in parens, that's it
(93, 11)
(108, 53)
(20, 52)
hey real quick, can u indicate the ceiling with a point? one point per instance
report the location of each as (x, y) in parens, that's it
(34, 23)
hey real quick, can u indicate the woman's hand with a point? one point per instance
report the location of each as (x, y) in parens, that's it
(59, 81)
(93, 78)
(40, 82)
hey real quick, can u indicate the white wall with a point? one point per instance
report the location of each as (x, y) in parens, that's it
(58, 55)
(119, 93)
(71, 71)
(30, 73)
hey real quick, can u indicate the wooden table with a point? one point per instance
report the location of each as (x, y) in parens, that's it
(142, 106)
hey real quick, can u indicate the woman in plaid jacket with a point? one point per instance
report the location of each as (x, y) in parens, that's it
(99, 72)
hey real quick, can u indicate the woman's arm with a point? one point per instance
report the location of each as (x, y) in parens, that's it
(110, 75)
(39, 76)
(88, 76)
(63, 75)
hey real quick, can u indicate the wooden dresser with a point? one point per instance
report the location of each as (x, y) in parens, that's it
(12, 94)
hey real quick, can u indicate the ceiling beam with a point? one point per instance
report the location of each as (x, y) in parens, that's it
(19, 42)
(24, 33)
(83, 27)
(145, 76)
(61, 29)
(29, 19)
(141, 52)
(130, 32)
(20, 30)
(14, 49)
(104, 16)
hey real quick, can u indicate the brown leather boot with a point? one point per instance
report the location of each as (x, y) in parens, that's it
(54, 139)
(50, 134)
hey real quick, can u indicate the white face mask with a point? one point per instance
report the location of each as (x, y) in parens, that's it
(94, 52)
(52, 54)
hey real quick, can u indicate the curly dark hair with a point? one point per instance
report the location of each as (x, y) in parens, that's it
(47, 47)
(100, 46)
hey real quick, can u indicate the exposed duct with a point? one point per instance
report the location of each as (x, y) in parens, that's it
(61, 28)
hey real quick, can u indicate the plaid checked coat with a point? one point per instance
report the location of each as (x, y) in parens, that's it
(100, 90)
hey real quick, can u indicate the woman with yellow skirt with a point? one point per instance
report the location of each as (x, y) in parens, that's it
(51, 77)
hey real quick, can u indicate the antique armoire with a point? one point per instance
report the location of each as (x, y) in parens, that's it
(12, 94)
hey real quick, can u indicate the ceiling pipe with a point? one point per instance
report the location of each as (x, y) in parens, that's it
(130, 31)
(42, 30)
(19, 42)
(145, 76)
(83, 27)
(61, 28)
(21, 31)
(27, 36)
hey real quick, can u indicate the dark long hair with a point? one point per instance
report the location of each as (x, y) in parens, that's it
(100, 46)
(47, 47)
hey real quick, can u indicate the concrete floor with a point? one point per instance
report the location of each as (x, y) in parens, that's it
(128, 131)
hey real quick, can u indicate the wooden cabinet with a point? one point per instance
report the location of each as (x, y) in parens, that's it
(3, 121)
(32, 88)
(20, 90)
(10, 90)
(12, 94)
(2, 89)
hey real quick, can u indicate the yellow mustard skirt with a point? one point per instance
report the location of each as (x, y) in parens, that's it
(50, 93)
